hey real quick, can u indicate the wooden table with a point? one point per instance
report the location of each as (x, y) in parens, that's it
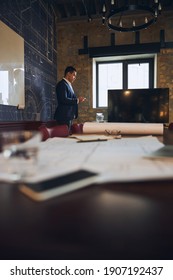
(106, 221)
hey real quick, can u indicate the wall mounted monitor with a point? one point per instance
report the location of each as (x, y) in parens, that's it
(139, 105)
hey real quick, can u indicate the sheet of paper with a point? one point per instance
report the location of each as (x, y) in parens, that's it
(94, 137)
(163, 152)
(115, 160)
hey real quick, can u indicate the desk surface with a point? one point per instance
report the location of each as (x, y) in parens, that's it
(108, 221)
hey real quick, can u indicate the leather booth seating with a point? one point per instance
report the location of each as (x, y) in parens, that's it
(170, 126)
(77, 128)
(59, 130)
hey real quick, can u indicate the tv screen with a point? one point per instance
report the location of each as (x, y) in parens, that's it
(139, 105)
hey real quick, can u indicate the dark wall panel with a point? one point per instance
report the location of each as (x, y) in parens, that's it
(34, 20)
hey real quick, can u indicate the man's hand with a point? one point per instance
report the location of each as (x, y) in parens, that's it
(81, 99)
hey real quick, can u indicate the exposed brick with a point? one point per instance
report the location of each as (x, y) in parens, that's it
(70, 39)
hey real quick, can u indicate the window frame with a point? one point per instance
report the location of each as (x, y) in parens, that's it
(125, 63)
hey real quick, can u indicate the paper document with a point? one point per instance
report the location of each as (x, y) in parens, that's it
(123, 160)
(94, 137)
(164, 152)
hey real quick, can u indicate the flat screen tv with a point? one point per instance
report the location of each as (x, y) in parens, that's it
(139, 105)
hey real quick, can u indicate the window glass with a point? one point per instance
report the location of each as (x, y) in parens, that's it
(109, 77)
(124, 73)
(138, 75)
(4, 90)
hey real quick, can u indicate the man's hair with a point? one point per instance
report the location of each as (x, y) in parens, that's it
(70, 69)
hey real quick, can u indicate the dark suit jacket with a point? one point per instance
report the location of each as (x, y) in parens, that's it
(67, 108)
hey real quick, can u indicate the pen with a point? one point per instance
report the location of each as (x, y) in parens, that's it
(94, 140)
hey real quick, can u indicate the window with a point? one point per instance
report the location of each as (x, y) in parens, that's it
(4, 90)
(122, 74)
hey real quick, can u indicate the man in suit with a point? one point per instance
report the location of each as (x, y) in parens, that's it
(67, 108)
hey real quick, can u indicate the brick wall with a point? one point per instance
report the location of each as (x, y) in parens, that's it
(165, 74)
(70, 40)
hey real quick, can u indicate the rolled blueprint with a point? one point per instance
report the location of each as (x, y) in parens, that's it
(123, 128)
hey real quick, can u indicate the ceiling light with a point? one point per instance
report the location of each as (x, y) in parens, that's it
(131, 16)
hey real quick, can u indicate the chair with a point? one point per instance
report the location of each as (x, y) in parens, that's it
(54, 131)
(77, 128)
